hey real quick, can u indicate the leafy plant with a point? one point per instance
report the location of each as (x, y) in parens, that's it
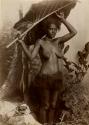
(78, 69)
(74, 95)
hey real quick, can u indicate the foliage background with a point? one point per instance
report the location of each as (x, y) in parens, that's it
(77, 92)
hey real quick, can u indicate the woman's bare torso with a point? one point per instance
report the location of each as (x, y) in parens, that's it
(49, 53)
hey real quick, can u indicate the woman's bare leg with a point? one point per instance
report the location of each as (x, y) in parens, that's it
(44, 105)
(54, 98)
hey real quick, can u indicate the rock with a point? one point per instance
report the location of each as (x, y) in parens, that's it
(15, 114)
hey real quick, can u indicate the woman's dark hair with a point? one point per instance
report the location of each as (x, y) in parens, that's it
(52, 21)
(46, 23)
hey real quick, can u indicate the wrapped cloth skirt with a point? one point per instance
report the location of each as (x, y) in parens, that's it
(54, 81)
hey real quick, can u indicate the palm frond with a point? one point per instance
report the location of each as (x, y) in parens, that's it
(44, 8)
(38, 13)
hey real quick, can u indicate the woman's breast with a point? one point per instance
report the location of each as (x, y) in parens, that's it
(50, 66)
(46, 53)
(49, 59)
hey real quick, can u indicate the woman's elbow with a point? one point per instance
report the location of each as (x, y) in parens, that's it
(74, 32)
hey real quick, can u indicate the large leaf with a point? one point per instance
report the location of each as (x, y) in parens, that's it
(66, 49)
(87, 47)
(37, 15)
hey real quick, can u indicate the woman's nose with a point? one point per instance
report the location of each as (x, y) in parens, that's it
(53, 31)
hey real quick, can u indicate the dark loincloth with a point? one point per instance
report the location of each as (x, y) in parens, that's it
(54, 81)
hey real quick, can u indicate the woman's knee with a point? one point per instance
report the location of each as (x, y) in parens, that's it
(53, 105)
(45, 100)
(46, 106)
(54, 99)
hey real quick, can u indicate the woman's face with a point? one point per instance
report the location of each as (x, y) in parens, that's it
(52, 30)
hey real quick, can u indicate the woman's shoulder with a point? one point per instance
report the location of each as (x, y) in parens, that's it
(41, 41)
(44, 38)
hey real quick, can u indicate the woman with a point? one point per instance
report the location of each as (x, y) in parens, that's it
(49, 78)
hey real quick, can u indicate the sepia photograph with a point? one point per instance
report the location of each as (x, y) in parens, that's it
(44, 62)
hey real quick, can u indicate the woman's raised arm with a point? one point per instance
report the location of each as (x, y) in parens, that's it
(71, 29)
